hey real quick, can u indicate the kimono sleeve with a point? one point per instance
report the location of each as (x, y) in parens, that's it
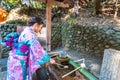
(37, 53)
(11, 39)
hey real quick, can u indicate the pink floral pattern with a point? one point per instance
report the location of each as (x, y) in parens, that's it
(21, 66)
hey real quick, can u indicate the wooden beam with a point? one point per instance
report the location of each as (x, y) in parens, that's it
(60, 4)
(48, 24)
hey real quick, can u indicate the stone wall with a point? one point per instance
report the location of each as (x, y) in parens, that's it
(93, 39)
(56, 38)
(90, 39)
(6, 29)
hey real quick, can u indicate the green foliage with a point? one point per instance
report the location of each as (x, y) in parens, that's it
(18, 22)
(12, 1)
(38, 5)
(54, 6)
(72, 21)
(90, 4)
(9, 4)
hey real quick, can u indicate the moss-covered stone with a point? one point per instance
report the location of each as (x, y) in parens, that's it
(89, 38)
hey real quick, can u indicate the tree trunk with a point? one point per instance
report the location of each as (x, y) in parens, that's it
(96, 7)
(111, 65)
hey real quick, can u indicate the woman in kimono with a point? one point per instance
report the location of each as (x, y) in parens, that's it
(27, 55)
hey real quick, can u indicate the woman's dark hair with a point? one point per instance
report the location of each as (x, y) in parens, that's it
(35, 19)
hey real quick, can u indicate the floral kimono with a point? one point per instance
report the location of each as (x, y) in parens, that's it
(26, 55)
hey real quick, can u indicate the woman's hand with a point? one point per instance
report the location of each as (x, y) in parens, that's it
(52, 61)
(47, 64)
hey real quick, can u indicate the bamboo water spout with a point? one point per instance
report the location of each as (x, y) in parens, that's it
(83, 71)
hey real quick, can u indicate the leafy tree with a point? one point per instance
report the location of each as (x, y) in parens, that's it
(9, 4)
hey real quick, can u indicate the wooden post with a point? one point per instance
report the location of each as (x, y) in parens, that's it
(111, 65)
(48, 24)
(96, 7)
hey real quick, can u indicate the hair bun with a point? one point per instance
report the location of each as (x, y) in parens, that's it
(35, 19)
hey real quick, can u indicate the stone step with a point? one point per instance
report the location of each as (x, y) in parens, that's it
(3, 65)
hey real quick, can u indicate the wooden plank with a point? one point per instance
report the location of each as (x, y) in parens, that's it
(60, 4)
(48, 24)
(111, 65)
